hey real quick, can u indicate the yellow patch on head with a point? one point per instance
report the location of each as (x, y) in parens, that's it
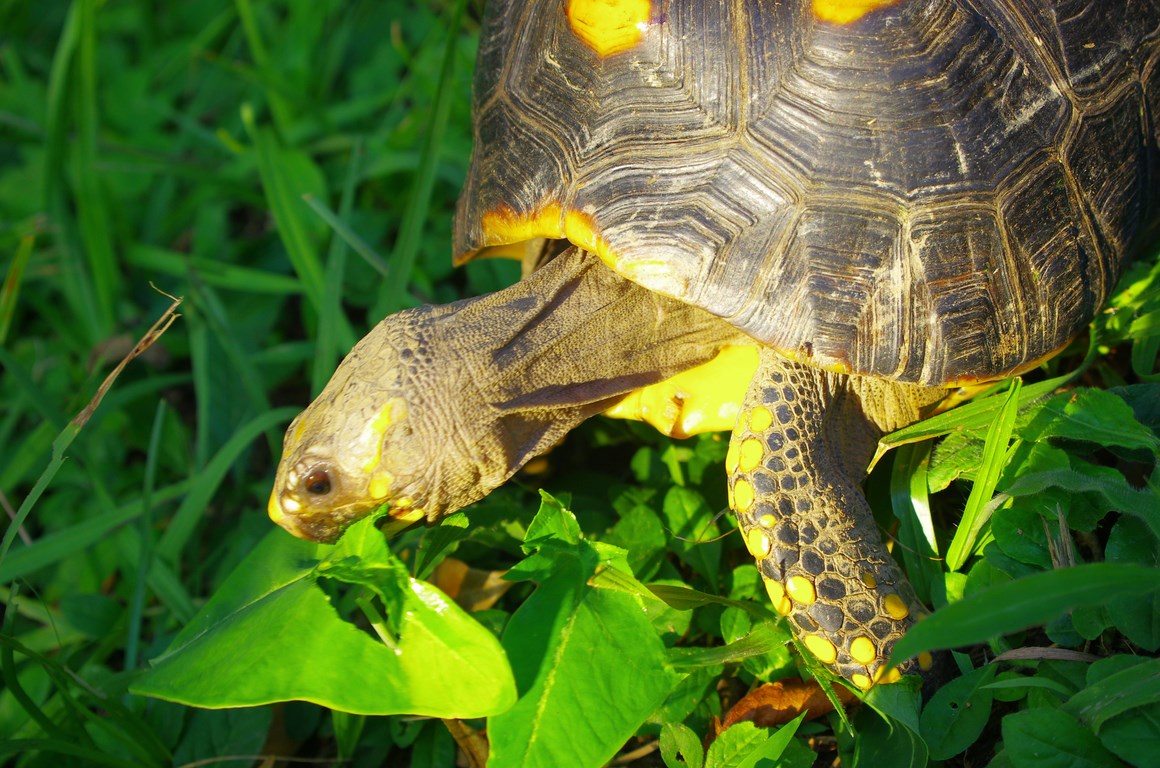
(777, 596)
(895, 607)
(767, 521)
(846, 11)
(751, 453)
(862, 681)
(801, 590)
(862, 649)
(380, 486)
(925, 661)
(274, 508)
(742, 495)
(409, 515)
(757, 543)
(609, 26)
(869, 580)
(760, 419)
(394, 409)
(822, 648)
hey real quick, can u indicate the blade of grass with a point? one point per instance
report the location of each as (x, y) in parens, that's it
(973, 416)
(74, 427)
(220, 274)
(349, 236)
(90, 198)
(213, 310)
(419, 201)
(11, 290)
(278, 106)
(192, 508)
(330, 327)
(996, 451)
(55, 547)
(144, 539)
(12, 680)
(77, 289)
(286, 206)
(911, 502)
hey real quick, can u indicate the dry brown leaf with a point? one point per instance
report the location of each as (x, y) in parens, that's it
(778, 703)
(473, 589)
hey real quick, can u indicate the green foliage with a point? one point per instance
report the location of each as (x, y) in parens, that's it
(290, 168)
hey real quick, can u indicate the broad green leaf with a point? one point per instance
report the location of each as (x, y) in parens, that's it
(1091, 415)
(1022, 603)
(957, 713)
(552, 521)
(765, 637)
(1133, 736)
(271, 634)
(1137, 617)
(693, 531)
(1137, 686)
(742, 745)
(887, 743)
(680, 747)
(589, 669)
(1051, 738)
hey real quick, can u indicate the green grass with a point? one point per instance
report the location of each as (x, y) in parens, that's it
(290, 168)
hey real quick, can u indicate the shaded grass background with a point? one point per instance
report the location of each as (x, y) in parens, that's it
(172, 144)
(290, 168)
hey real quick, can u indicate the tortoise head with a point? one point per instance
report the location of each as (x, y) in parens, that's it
(364, 441)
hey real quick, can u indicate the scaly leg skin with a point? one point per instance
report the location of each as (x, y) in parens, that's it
(803, 440)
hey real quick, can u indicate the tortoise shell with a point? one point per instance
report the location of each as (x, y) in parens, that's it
(932, 191)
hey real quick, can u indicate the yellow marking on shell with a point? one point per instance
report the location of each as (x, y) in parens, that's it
(767, 521)
(777, 596)
(702, 399)
(504, 226)
(757, 543)
(822, 648)
(895, 607)
(886, 678)
(863, 650)
(742, 495)
(732, 457)
(925, 661)
(751, 453)
(760, 419)
(801, 590)
(869, 580)
(846, 11)
(862, 681)
(609, 26)
(580, 229)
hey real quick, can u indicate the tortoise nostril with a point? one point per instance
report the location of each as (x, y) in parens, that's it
(317, 482)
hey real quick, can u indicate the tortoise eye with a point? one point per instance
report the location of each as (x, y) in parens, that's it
(317, 483)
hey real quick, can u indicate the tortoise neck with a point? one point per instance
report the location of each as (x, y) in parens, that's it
(523, 366)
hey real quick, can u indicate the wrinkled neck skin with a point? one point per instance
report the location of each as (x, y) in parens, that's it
(438, 406)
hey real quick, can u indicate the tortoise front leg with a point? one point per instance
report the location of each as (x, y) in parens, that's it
(796, 460)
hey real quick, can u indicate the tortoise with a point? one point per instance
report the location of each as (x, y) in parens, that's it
(861, 205)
